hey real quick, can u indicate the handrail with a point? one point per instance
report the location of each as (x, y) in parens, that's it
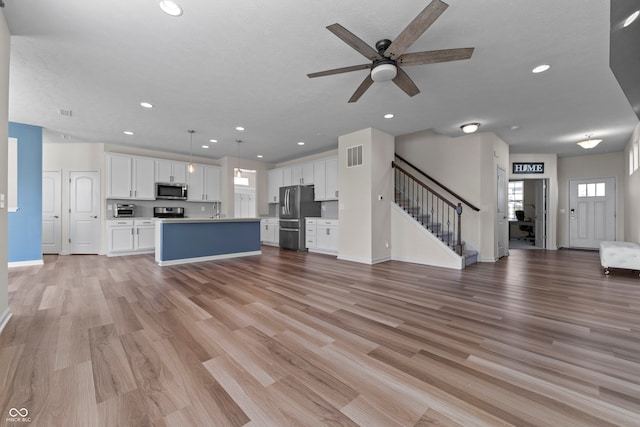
(422, 184)
(438, 183)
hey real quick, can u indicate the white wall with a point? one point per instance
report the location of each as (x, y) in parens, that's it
(4, 136)
(365, 197)
(589, 166)
(551, 173)
(632, 193)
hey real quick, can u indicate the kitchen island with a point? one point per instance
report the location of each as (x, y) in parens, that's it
(187, 240)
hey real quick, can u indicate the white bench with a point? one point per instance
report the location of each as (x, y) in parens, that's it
(619, 255)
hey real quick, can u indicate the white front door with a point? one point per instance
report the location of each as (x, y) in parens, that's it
(541, 213)
(84, 212)
(51, 207)
(502, 232)
(592, 213)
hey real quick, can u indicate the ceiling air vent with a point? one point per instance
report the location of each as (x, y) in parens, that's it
(66, 113)
(354, 156)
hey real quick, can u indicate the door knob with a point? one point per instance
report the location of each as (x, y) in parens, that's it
(96, 216)
(56, 216)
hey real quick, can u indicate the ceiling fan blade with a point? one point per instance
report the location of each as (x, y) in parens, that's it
(340, 70)
(366, 83)
(433, 56)
(416, 28)
(354, 41)
(404, 82)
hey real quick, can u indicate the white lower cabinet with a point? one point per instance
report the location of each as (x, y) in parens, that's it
(270, 231)
(321, 235)
(127, 236)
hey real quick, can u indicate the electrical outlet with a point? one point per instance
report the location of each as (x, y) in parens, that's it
(202, 208)
(1, 201)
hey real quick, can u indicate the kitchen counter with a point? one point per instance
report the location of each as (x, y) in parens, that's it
(187, 240)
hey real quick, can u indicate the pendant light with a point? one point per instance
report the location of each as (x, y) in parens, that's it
(191, 168)
(589, 143)
(238, 171)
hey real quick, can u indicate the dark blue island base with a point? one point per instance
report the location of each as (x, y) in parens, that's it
(181, 241)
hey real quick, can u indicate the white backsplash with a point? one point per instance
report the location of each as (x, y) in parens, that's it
(144, 208)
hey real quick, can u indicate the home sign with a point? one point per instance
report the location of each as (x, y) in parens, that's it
(528, 167)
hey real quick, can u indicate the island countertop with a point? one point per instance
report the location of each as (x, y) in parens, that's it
(203, 220)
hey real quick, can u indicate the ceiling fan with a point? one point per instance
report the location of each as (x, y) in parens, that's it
(388, 56)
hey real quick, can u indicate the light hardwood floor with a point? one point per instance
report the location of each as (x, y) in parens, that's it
(292, 339)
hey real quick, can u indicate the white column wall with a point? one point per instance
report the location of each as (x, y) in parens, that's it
(4, 136)
(632, 195)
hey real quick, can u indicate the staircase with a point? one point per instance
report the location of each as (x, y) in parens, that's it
(432, 211)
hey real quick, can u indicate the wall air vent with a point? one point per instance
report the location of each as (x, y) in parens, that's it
(66, 113)
(354, 156)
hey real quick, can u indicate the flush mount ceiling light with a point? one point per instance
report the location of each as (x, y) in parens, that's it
(259, 156)
(470, 127)
(128, 132)
(191, 168)
(239, 128)
(301, 143)
(205, 146)
(170, 8)
(388, 116)
(589, 143)
(631, 18)
(146, 105)
(384, 72)
(213, 140)
(541, 68)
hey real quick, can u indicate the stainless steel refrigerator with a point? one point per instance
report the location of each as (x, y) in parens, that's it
(296, 203)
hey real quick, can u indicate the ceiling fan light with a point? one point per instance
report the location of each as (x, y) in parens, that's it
(170, 8)
(470, 127)
(384, 73)
(589, 143)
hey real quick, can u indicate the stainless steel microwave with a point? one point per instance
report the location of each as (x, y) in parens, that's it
(171, 191)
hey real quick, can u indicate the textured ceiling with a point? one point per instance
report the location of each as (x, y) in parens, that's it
(244, 62)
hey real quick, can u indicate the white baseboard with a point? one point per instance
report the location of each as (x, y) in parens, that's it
(207, 258)
(4, 319)
(322, 251)
(458, 266)
(25, 263)
(367, 261)
(112, 254)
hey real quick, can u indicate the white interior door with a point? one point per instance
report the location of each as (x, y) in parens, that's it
(502, 232)
(541, 213)
(84, 212)
(51, 212)
(592, 214)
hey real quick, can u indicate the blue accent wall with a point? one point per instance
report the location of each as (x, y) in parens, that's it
(25, 225)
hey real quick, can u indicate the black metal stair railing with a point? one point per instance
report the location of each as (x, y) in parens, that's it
(440, 216)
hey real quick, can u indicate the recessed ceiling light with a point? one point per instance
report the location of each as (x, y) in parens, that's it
(205, 146)
(301, 143)
(541, 68)
(128, 132)
(240, 128)
(470, 127)
(631, 18)
(389, 116)
(170, 8)
(146, 105)
(213, 140)
(259, 156)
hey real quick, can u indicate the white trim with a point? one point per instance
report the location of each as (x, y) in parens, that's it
(5, 318)
(358, 260)
(323, 251)
(207, 258)
(431, 263)
(13, 210)
(113, 254)
(25, 263)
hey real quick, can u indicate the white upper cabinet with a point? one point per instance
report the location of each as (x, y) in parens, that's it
(144, 184)
(204, 184)
(171, 171)
(307, 173)
(325, 179)
(130, 177)
(119, 176)
(274, 180)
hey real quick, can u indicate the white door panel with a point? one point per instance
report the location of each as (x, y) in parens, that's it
(541, 213)
(84, 212)
(51, 212)
(502, 231)
(592, 217)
